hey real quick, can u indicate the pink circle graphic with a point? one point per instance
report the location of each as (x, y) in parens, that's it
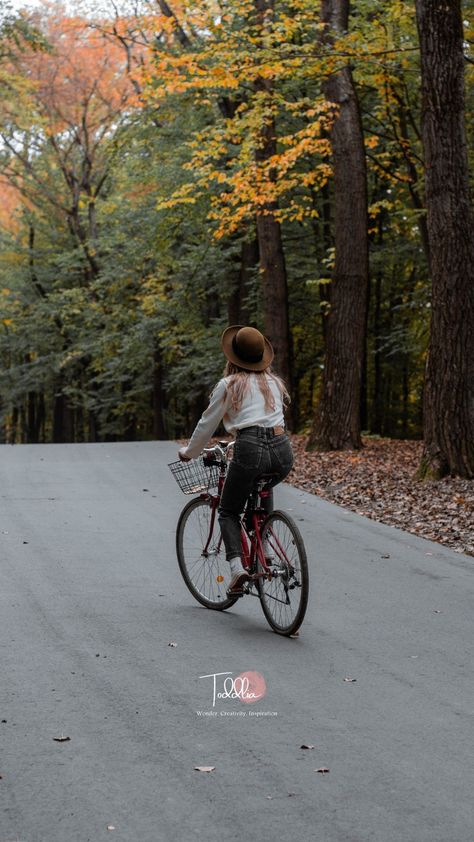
(251, 686)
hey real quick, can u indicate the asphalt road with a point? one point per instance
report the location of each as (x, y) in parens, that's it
(91, 598)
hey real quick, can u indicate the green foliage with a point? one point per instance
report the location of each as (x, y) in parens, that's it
(115, 333)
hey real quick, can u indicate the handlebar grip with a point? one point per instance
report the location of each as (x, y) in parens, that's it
(209, 460)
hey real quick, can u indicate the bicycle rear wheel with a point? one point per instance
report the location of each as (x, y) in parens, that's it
(206, 574)
(284, 597)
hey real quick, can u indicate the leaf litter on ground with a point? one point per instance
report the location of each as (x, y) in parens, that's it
(379, 482)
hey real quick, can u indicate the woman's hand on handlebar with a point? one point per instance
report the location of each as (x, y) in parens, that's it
(183, 457)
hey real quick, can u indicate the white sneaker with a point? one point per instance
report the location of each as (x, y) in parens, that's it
(236, 565)
(239, 575)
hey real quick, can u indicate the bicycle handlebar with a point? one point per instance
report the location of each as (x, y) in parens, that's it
(219, 450)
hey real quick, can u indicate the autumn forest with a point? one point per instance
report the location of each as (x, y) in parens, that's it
(169, 168)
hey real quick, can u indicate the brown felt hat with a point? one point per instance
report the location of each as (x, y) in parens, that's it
(247, 347)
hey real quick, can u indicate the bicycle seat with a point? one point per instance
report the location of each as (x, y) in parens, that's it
(264, 479)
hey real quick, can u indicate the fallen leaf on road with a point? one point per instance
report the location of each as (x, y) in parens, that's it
(379, 483)
(61, 739)
(204, 768)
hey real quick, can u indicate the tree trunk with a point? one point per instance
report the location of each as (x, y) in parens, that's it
(270, 243)
(413, 185)
(14, 425)
(237, 310)
(93, 427)
(377, 396)
(328, 243)
(448, 404)
(364, 408)
(337, 419)
(63, 418)
(31, 423)
(275, 292)
(405, 396)
(159, 428)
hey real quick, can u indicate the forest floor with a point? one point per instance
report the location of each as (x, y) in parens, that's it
(378, 482)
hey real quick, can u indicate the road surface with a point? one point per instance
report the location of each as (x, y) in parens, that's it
(90, 600)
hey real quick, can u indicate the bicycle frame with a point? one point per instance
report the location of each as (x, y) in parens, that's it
(252, 546)
(214, 500)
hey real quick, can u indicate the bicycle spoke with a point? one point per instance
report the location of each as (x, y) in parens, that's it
(284, 594)
(206, 573)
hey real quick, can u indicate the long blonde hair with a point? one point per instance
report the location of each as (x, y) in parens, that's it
(239, 384)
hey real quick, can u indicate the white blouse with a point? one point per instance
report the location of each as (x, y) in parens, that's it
(252, 412)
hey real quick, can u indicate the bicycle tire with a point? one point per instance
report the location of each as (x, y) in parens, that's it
(201, 573)
(275, 593)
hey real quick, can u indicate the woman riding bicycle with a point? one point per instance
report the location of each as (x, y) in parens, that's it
(249, 399)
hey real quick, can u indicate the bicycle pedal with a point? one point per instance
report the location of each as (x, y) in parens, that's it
(236, 592)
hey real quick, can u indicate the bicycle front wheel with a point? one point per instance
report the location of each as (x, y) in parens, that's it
(284, 594)
(205, 571)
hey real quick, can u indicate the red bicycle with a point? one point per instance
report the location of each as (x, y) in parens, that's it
(273, 551)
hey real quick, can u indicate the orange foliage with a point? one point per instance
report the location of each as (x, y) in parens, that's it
(10, 202)
(75, 93)
(83, 81)
(249, 63)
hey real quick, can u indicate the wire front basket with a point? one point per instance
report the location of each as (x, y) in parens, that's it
(194, 476)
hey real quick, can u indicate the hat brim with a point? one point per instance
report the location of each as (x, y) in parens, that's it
(226, 342)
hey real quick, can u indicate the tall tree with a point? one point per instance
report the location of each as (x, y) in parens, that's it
(257, 93)
(449, 383)
(337, 419)
(80, 93)
(57, 156)
(270, 242)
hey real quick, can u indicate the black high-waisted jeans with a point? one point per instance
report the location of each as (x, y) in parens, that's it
(257, 451)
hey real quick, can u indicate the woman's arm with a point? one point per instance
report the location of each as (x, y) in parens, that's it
(208, 422)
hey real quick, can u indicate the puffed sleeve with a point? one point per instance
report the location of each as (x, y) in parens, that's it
(209, 420)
